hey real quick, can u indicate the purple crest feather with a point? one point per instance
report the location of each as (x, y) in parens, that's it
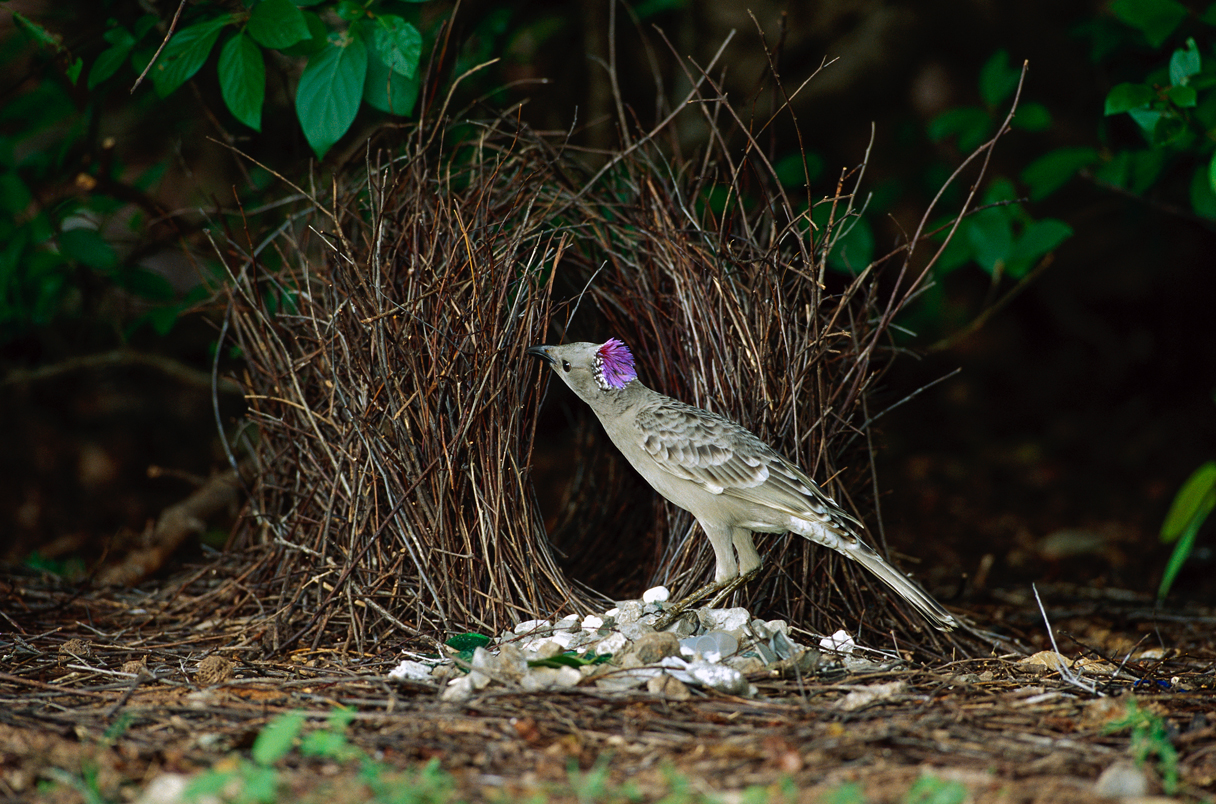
(614, 365)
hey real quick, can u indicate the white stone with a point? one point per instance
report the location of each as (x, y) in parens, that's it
(539, 678)
(592, 623)
(528, 626)
(1122, 780)
(735, 619)
(170, 788)
(657, 594)
(612, 612)
(567, 623)
(613, 643)
(719, 677)
(568, 676)
(545, 648)
(775, 626)
(839, 642)
(629, 612)
(482, 660)
(512, 662)
(410, 670)
(458, 689)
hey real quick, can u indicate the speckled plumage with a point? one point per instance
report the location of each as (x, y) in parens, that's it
(725, 476)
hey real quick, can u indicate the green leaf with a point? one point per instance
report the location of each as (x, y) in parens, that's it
(1032, 117)
(186, 53)
(72, 71)
(1184, 63)
(1183, 97)
(14, 194)
(145, 284)
(1156, 19)
(997, 79)
(162, 320)
(277, 24)
(1124, 97)
(970, 125)
(107, 64)
(1182, 551)
(243, 80)
(389, 91)
(1039, 238)
(1212, 174)
(209, 784)
(958, 251)
(469, 641)
(87, 247)
(318, 36)
(1049, 172)
(275, 741)
(329, 92)
(40, 35)
(1209, 16)
(570, 659)
(794, 170)
(854, 250)
(1144, 168)
(1147, 119)
(1194, 500)
(260, 784)
(397, 43)
(991, 238)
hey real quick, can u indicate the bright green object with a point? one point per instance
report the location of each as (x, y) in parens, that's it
(1191, 506)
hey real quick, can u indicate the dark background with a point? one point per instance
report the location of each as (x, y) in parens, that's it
(1054, 453)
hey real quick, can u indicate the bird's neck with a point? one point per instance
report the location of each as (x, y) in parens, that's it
(617, 401)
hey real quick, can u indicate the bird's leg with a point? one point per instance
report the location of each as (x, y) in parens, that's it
(729, 588)
(720, 590)
(726, 540)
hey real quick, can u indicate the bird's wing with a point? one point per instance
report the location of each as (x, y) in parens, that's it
(724, 458)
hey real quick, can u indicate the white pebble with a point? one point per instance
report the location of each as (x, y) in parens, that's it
(411, 671)
(658, 594)
(591, 622)
(840, 642)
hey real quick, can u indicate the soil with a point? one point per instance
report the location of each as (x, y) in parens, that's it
(107, 691)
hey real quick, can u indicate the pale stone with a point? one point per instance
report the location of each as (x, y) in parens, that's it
(735, 619)
(658, 594)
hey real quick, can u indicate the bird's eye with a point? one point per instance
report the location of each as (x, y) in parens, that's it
(565, 365)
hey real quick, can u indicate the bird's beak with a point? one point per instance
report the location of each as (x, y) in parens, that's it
(541, 352)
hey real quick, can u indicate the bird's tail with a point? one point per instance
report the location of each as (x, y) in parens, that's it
(906, 587)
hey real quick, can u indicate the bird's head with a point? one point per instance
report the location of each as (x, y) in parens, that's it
(590, 369)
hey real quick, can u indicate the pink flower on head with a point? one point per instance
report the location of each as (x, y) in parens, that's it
(614, 365)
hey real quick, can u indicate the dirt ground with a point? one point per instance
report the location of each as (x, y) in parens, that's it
(101, 693)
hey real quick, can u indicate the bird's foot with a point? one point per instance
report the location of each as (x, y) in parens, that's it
(720, 591)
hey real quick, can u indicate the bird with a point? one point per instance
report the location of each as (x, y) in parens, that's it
(731, 481)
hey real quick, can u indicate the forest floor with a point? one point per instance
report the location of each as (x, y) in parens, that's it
(109, 696)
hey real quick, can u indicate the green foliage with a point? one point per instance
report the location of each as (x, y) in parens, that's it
(932, 790)
(1190, 509)
(1172, 105)
(60, 217)
(847, 793)
(971, 126)
(371, 59)
(571, 659)
(259, 780)
(1150, 738)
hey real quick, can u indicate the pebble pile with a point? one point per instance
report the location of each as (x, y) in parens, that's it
(621, 650)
